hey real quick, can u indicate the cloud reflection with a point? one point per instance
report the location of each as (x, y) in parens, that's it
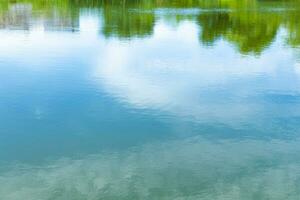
(192, 81)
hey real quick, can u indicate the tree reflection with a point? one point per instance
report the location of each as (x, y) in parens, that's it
(250, 32)
(250, 25)
(292, 23)
(126, 22)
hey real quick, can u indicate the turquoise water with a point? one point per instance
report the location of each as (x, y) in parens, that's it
(149, 100)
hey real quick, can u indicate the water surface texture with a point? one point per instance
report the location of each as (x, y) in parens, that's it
(149, 99)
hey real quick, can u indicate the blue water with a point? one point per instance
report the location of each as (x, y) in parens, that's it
(157, 116)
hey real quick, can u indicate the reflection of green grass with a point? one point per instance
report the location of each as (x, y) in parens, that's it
(249, 24)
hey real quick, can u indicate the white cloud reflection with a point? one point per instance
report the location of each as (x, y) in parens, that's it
(172, 72)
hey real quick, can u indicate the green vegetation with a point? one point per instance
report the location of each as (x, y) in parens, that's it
(250, 25)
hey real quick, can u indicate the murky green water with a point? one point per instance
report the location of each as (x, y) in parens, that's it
(153, 99)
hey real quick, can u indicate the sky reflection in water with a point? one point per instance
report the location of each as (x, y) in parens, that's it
(149, 101)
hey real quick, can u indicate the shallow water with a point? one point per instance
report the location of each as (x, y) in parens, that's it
(149, 99)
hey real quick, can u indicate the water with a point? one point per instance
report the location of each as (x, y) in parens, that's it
(149, 99)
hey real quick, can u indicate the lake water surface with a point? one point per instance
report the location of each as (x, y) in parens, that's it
(149, 99)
